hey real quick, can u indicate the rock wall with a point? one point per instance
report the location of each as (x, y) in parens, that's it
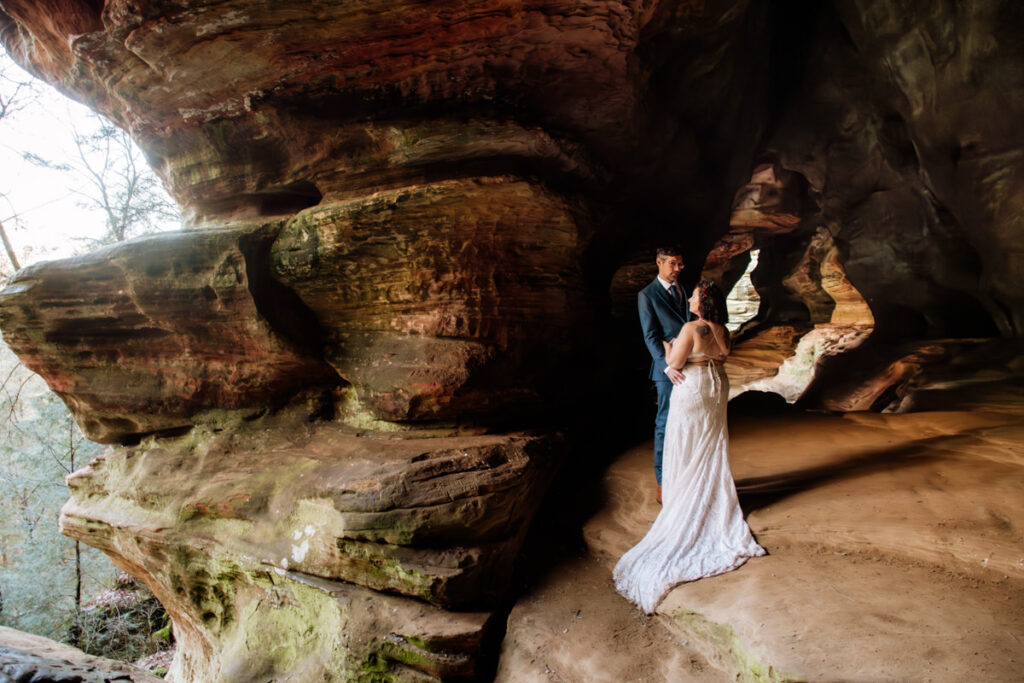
(900, 152)
(416, 233)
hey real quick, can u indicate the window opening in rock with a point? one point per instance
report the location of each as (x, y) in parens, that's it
(743, 300)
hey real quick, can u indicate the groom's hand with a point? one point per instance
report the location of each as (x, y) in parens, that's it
(675, 375)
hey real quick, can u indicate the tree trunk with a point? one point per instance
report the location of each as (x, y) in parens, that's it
(9, 248)
(78, 577)
(78, 546)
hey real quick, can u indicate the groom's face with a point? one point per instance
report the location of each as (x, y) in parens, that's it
(669, 267)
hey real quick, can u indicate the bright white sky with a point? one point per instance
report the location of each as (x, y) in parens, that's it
(40, 207)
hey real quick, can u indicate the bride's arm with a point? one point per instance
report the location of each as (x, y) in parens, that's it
(681, 348)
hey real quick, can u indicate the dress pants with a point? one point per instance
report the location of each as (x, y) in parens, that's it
(664, 390)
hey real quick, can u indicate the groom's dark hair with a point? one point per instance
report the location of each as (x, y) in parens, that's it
(712, 304)
(668, 250)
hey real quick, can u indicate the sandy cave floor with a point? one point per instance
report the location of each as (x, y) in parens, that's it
(896, 553)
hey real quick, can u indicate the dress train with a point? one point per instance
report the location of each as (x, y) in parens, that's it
(700, 530)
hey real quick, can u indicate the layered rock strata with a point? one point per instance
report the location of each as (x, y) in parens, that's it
(405, 218)
(261, 537)
(359, 256)
(427, 518)
(430, 297)
(140, 337)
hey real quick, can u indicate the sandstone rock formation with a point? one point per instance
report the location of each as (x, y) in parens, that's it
(416, 233)
(139, 337)
(894, 146)
(25, 657)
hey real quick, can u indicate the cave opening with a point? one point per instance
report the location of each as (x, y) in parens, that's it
(742, 300)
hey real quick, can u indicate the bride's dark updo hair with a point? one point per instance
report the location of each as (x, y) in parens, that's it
(712, 302)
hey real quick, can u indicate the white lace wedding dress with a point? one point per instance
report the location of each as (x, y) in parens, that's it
(700, 531)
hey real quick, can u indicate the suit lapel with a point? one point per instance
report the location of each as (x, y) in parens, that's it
(665, 296)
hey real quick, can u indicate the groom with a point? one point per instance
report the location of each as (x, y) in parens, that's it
(663, 310)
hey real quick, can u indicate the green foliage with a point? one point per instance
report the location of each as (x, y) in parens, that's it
(39, 445)
(165, 634)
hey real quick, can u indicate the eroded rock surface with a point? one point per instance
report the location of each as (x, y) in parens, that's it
(897, 125)
(140, 337)
(274, 527)
(905, 157)
(30, 658)
(433, 220)
(433, 518)
(431, 297)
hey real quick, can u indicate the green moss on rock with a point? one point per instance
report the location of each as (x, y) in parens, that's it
(726, 647)
(382, 571)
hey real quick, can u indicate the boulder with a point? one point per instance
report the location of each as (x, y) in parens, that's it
(430, 297)
(28, 657)
(140, 337)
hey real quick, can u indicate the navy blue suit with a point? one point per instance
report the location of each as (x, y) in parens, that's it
(661, 318)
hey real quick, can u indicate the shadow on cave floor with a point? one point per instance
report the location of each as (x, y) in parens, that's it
(556, 532)
(578, 492)
(779, 451)
(759, 492)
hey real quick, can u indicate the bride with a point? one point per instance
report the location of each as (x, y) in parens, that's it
(700, 530)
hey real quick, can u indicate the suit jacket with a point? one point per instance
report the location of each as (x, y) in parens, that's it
(661, 320)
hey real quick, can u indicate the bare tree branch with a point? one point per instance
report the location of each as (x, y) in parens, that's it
(3, 385)
(12, 97)
(123, 188)
(15, 403)
(14, 91)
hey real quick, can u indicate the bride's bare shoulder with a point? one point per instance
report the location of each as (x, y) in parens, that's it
(692, 327)
(700, 328)
(709, 333)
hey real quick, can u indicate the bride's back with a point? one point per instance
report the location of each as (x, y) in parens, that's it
(709, 339)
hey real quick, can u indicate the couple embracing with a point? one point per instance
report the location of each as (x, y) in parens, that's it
(700, 530)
